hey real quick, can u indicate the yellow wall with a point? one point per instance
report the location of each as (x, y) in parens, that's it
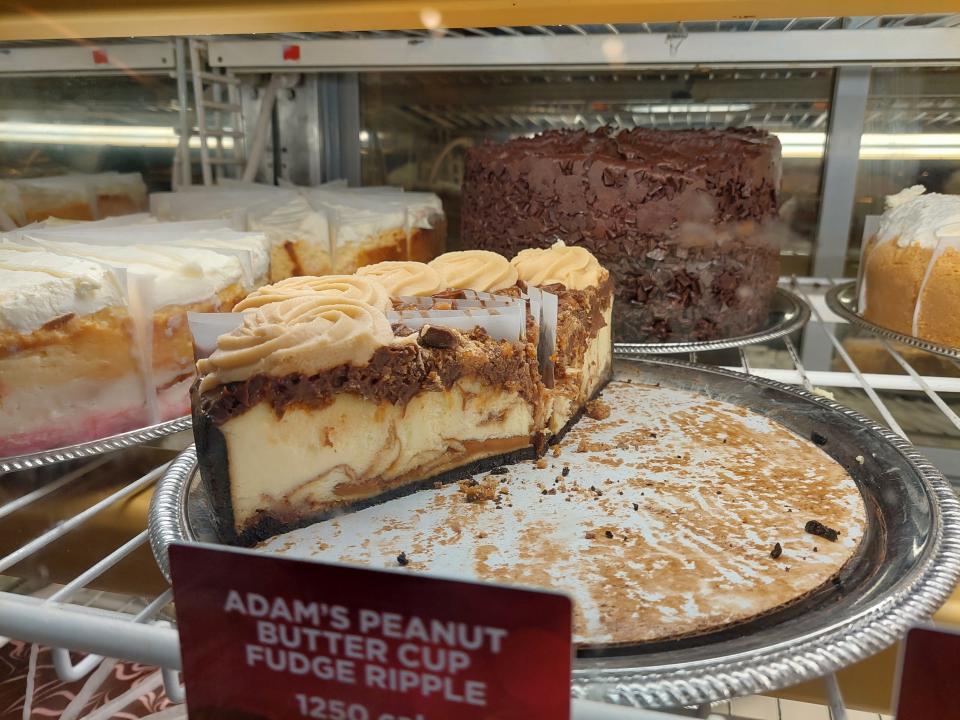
(48, 19)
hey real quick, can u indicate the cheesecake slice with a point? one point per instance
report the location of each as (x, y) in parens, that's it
(335, 392)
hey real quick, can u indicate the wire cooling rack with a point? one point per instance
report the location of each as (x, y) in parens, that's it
(76, 572)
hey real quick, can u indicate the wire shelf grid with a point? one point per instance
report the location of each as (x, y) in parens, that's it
(77, 614)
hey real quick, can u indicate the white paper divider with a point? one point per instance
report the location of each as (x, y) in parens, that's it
(471, 299)
(547, 341)
(501, 323)
(207, 327)
(140, 298)
(871, 223)
(535, 305)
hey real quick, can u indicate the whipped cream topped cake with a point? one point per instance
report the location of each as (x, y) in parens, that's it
(69, 367)
(340, 391)
(178, 280)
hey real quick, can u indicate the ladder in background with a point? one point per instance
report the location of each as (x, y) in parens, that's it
(213, 122)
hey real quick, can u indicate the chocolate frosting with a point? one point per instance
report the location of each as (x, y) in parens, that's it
(682, 219)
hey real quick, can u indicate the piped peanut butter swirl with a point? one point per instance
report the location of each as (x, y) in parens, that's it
(479, 270)
(405, 277)
(364, 289)
(299, 335)
(574, 267)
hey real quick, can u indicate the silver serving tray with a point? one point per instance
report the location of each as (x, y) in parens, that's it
(788, 313)
(94, 447)
(907, 564)
(842, 299)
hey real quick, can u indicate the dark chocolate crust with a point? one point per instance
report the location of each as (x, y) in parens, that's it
(684, 220)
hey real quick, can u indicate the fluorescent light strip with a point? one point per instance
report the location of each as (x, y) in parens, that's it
(119, 135)
(877, 146)
(873, 146)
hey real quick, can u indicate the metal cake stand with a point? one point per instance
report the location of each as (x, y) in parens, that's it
(907, 564)
(842, 299)
(94, 447)
(788, 313)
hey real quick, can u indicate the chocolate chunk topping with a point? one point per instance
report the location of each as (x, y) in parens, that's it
(777, 551)
(402, 559)
(814, 527)
(818, 439)
(432, 336)
(395, 373)
(608, 533)
(565, 471)
(681, 219)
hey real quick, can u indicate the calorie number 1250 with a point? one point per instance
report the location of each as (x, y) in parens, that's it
(320, 708)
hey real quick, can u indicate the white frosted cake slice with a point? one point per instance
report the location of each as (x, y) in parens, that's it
(165, 282)
(363, 230)
(69, 367)
(299, 235)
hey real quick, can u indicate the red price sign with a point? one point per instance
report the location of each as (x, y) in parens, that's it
(269, 637)
(928, 676)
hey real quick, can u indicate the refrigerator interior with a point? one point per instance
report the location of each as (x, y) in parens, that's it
(75, 566)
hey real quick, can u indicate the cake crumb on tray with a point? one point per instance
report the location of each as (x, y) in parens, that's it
(597, 409)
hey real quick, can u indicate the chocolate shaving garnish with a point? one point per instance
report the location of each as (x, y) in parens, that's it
(817, 528)
(565, 471)
(402, 559)
(500, 470)
(818, 439)
(608, 533)
(432, 336)
(636, 506)
(777, 551)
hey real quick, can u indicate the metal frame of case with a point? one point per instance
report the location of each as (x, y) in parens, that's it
(77, 618)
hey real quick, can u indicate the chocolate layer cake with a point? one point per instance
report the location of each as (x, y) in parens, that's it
(684, 220)
(337, 392)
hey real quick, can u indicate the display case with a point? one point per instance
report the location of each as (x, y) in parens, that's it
(863, 106)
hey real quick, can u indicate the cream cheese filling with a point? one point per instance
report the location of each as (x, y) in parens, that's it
(355, 448)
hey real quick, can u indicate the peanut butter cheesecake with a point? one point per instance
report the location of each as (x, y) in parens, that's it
(345, 390)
